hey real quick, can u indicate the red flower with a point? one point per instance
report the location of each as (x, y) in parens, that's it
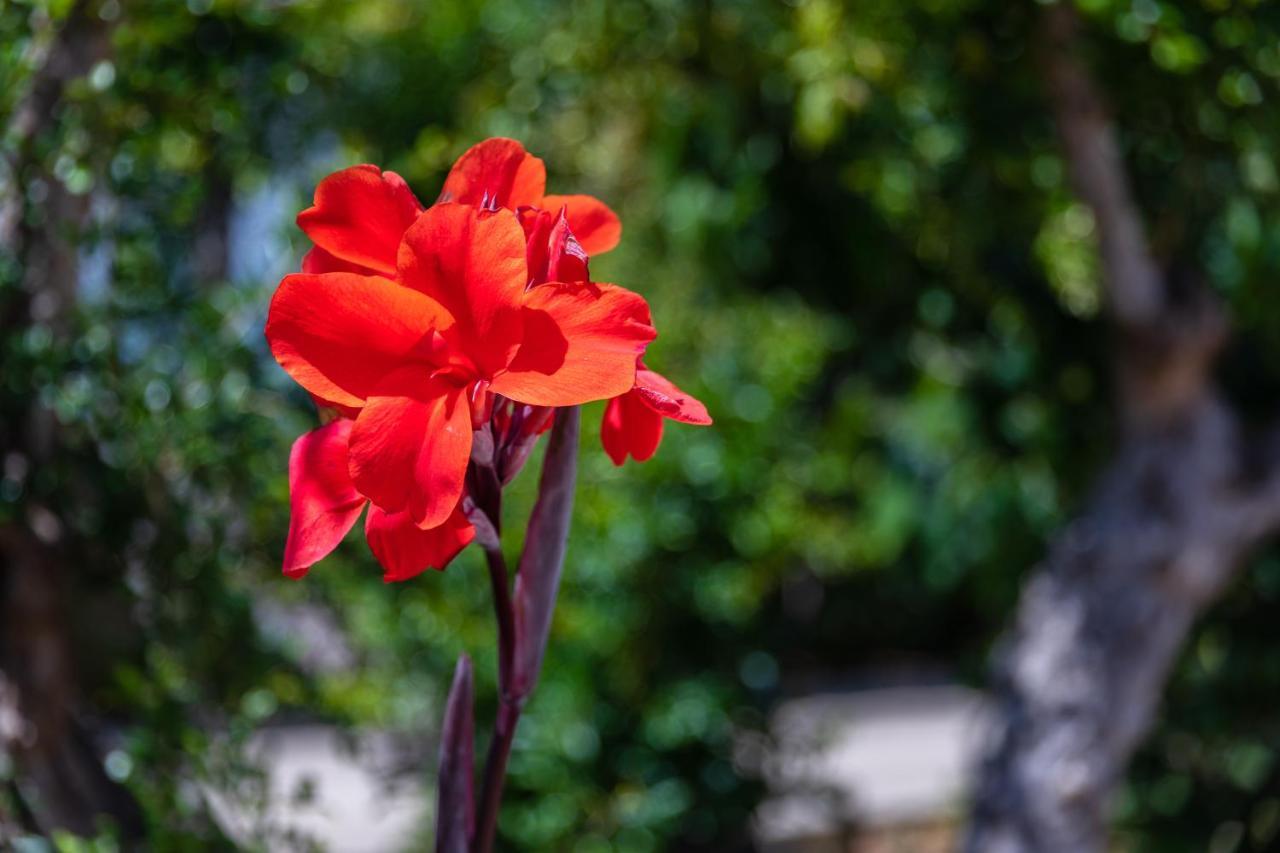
(633, 421)
(325, 505)
(413, 323)
(419, 357)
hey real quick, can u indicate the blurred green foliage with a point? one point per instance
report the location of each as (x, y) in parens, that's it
(853, 225)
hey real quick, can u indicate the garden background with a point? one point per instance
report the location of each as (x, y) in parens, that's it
(855, 227)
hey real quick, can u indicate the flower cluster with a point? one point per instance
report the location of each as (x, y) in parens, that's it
(435, 334)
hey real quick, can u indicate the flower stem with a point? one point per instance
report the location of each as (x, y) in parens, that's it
(523, 624)
(495, 773)
(502, 608)
(495, 767)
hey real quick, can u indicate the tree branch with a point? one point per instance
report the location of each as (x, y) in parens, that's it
(1133, 282)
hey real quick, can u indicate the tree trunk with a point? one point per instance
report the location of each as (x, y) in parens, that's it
(1186, 497)
(60, 782)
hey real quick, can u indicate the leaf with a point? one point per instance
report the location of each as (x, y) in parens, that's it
(455, 803)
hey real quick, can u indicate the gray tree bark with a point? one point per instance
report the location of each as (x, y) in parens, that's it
(1187, 496)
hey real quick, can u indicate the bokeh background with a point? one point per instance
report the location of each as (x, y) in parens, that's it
(853, 225)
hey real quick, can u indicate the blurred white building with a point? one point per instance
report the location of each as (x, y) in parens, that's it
(868, 770)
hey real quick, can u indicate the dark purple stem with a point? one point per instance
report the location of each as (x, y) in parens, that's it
(505, 614)
(504, 730)
(523, 625)
(538, 578)
(495, 773)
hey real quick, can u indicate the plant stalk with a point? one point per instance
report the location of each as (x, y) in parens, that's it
(523, 623)
(504, 613)
(495, 774)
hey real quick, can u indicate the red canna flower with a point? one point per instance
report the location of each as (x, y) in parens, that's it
(417, 326)
(325, 505)
(440, 342)
(421, 357)
(633, 421)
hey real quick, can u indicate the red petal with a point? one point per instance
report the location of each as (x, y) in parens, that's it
(537, 225)
(496, 173)
(580, 344)
(410, 446)
(338, 334)
(319, 261)
(660, 394)
(566, 259)
(613, 433)
(406, 550)
(359, 216)
(552, 252)
(473, 262)
(597, 227)
(323, 502)
(631, 427)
